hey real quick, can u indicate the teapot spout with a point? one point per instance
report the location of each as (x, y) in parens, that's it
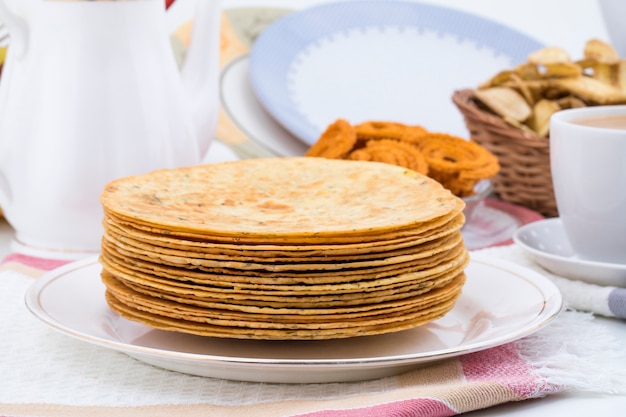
(200, 71)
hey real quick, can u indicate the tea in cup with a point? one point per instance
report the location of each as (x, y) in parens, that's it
(588, 164)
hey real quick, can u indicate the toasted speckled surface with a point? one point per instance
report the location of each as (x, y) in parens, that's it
(288, 197)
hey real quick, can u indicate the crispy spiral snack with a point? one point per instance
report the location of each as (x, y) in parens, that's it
(336, 142)
(458, 164)
(389, 130)
(392, 152)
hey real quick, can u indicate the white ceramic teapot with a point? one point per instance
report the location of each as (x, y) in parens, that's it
(91, 92)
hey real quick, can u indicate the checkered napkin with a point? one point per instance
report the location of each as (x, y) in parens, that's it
(44, 373)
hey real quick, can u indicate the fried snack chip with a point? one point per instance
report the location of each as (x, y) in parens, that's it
(456, 163)
(562, 69)
(505, 102)
(549, 55)
(336, 141)
(620, 75)
(540, 120)
(550, 78)
(590, 90)
(601, 52)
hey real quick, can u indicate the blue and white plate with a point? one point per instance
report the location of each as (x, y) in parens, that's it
(377, 60)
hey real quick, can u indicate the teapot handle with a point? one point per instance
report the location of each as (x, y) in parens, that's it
(17, 29)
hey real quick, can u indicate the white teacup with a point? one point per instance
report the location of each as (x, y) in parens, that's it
(588, 162)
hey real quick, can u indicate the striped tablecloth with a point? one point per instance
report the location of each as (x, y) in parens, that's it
(43, 373)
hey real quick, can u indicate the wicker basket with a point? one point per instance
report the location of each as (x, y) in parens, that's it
(524, 176)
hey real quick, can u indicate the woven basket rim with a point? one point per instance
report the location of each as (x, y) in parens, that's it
(465, 101)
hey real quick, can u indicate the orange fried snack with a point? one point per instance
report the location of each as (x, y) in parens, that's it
(392, 152)
(389, 130)
(336, 142)
(457, 163)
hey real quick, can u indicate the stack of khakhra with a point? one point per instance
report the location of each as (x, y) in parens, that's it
(282, 248)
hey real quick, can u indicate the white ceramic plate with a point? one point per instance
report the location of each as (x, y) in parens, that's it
(500, 303)
(375, 60)
(243, 108)
(547, 243)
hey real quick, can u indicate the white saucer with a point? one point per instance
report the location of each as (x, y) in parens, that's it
(546, 242)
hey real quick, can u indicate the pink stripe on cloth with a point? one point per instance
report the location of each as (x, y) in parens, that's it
(42, 264)
(482, 371)
(504, 365)
(418, 407)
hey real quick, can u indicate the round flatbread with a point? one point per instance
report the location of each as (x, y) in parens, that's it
(282, 249)
(292, 198)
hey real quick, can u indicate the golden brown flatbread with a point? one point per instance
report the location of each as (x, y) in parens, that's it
(292, 198)
(282, 249)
